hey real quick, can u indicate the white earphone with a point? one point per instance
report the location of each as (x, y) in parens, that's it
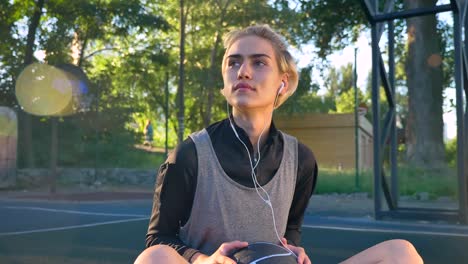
(278, 94)
(281, 87)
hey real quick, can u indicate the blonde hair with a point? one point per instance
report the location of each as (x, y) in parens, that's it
(286, 63)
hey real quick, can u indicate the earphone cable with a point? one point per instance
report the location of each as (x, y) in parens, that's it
(254, 166)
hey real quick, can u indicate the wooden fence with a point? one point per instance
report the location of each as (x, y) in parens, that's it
(331, 137)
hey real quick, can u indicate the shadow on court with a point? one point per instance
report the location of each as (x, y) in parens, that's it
(55, 231)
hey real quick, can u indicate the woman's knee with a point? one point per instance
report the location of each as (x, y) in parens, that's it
(159, 254)
(402, 251)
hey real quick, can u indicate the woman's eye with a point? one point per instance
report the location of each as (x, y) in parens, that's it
(259, 63)
(233, 63)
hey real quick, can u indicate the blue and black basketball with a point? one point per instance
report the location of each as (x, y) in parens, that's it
(263, 253)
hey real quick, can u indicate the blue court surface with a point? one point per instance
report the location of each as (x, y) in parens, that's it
(114, 232)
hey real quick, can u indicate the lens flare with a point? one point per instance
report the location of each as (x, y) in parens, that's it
(45, 90)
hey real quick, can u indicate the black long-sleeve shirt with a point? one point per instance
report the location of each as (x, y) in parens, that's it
(177, 180)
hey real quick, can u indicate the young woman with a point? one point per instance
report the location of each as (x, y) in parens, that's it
(241, 180)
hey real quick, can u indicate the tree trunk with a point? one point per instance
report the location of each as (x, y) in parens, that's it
(180, 88)
(424, 130)
(212, 73)
(211, 81)
(53, 155)
(82, 51)
(27, 148)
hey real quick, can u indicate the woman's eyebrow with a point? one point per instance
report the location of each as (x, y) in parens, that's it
(256, 55)
(259, 55)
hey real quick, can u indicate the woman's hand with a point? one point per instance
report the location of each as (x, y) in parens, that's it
(302, 257)
(220, 256)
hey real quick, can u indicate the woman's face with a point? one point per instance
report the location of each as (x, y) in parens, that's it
(251, 74)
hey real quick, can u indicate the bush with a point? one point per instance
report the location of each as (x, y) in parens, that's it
(411, 181)
(451, 152)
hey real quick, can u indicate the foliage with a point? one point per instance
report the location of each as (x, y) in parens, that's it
(338, 98)
(308, 103)
(412, 181)
(451, 152)
(87, 25)
(339, 80)
(207, 22)
(129, 50)
(90, 142)
(436, 182)
(12, 46)
(345, 103)
(331, 25)
(335, 181)
(305, 99)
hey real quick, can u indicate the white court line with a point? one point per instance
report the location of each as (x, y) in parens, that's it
(413, 232)
(71, 227)
(70, 211)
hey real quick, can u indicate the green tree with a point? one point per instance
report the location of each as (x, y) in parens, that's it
(345, 103)
(306, 99)
(56, 26)
(25, 118)
(206, 22)
(339, 81)
(334, 24)
(331, 25)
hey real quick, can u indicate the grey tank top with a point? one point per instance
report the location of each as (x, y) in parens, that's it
(224, 210)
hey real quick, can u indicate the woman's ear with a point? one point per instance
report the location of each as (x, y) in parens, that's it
(222, 92)
(284, 86)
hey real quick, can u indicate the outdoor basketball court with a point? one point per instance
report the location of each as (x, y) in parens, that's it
(35, 231)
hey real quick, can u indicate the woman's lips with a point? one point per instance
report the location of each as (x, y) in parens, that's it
(243, 86)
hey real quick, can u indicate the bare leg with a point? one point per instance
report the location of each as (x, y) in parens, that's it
(160, 254)
(392, 251)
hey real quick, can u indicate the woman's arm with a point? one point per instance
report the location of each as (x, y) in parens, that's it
(305, 184)
(173, 199)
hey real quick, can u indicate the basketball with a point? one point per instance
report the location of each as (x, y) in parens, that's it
(263, 253)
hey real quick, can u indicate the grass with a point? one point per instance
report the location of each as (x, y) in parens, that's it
(119, 150)
(344, 181)
(131, 157)
(113, 154)
(436, 183)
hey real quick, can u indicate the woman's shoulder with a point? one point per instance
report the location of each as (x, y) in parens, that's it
(305, 153)
(185, 151)
(307, 166)
(187, 147)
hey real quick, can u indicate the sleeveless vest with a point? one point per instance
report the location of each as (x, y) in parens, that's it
(224, 210)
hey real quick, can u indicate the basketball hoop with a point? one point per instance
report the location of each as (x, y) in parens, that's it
(362, 111)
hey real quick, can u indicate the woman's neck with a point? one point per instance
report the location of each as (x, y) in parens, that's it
(254, 124)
